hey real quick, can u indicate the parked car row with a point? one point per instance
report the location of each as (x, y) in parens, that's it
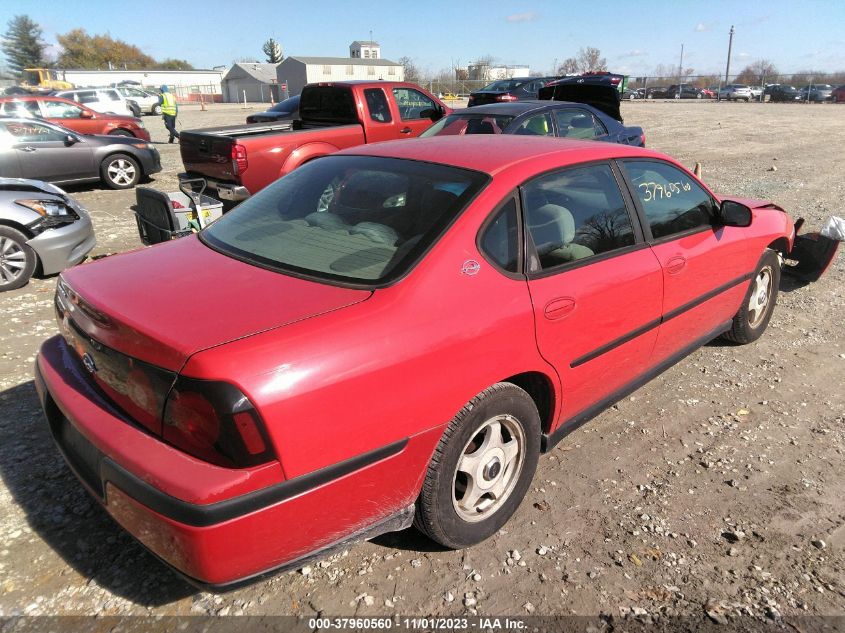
(73, 115)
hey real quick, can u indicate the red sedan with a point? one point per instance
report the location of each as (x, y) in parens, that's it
(391, 333)
(72, 115)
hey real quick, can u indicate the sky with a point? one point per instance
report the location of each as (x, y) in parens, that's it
(633, 36)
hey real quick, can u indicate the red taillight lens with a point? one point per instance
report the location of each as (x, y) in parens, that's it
(239, 161)
(642, 140)
(215, 422)
(506, 97)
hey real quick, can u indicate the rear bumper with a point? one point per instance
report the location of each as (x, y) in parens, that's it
(233, 539)
(229, 191)
(65, 246)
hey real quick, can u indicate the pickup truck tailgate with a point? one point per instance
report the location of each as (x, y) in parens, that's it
(209, 151)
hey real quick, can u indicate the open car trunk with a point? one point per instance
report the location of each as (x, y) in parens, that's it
(604, 97)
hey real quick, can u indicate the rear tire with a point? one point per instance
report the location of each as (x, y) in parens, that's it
(120, 171)
(481, 469)
(753, 316)
(120, 132)
(157, 110)
(17, 259)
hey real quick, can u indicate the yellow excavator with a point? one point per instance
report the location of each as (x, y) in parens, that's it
(43, 79)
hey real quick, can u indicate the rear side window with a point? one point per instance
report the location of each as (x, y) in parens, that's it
(328, 103)
(86, 96)
(377, 105)
(576, 214)
(112, 95)
(578, 123)
(500, 239)
(20, 108)
(671, 200)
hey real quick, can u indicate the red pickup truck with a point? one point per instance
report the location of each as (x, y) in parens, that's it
(239, 160)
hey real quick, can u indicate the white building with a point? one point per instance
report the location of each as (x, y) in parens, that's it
(484, 71)
(298, 71)
(182, 82)
(364, 50)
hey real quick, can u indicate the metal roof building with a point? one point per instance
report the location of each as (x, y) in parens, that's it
(256, 82)
(297, 71)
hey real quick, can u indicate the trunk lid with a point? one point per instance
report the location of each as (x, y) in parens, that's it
(602, 96)
(161, 305)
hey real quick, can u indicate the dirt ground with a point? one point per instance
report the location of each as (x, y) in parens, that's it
(716, 491)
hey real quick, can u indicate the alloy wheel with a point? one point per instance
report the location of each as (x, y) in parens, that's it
(121, 172)
(760, 295)
(12, 260)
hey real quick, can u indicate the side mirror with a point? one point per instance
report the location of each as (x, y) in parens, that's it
(734, 214)
(431, 113)
(85, 114)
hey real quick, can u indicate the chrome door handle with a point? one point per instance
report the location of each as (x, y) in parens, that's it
(28, 148)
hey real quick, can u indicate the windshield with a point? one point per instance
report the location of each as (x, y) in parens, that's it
(357, 219)
(288, 105)
(504, 85)
(471, 123)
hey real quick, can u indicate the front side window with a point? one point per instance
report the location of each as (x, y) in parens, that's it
(61, 110)
(575, 214)
(377, 105)
(500, 240)
(86, 96)
(578, 123)
(112, 95)
(672, 201)
(412, 103)
(355, 219)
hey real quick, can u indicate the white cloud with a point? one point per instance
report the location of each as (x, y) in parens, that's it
(743, 55)
(634, 53)
(701, 27)
(528, 16)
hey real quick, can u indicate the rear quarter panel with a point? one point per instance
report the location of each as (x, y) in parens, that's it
(402, 362)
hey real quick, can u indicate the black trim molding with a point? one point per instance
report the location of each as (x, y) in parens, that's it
(549, 440)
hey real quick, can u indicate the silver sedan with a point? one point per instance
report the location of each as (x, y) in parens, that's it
(41, 229)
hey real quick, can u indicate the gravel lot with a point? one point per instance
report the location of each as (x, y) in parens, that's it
(716, 491)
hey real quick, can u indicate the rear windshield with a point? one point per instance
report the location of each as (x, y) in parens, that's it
(328, 103)
(456, 124)
(354, 219)
(504, 85)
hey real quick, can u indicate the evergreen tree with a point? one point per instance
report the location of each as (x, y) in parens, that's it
(273, 50)
(22, 44)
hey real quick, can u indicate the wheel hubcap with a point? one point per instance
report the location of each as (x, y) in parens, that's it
(121, 172)
(760, 295)
(489, 468)
(12, 260)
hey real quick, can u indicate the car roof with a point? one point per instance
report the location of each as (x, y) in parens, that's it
(38, 98)
(515, 108)
(494, 153)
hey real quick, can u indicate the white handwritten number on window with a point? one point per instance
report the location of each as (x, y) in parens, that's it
(656, 191)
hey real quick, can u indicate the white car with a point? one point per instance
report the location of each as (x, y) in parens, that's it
(106, 100)
(736, 92)
(147, 102)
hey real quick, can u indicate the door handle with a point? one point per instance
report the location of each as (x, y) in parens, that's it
(28, 148)
(676, 264)
(405, 130)
(559, 308)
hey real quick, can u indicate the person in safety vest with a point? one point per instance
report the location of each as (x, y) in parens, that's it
(169, 109)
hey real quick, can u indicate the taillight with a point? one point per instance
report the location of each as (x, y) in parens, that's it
(215, 422)
(239, 161)
(642, 140)
(506, 97)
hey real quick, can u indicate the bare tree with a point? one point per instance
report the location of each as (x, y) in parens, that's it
(568, 67)
(756, 72)
(412, 73)
(590, 60)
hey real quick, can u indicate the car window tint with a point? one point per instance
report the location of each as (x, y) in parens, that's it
(499, 241)
(377, 105)
(456, 124)
(578, 123)
(575, 214)
(536, 125)
(86, 96)
(112, 95)
(672, 201)
(32, 132)
(60, 110)
(412, 103)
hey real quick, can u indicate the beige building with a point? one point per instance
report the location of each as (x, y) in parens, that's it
(298, 71)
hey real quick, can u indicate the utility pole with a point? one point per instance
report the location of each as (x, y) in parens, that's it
(730, 45)
(681, 66)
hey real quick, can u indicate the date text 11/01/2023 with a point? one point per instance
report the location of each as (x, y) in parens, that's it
(418, 623)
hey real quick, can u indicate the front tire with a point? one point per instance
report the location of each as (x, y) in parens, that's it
(157, 110)
(17, 260)
(753, 316)
(120, 171)
(120, 132)
(481, 469)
